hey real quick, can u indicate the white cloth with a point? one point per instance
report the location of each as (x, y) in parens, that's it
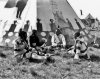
(57, 39)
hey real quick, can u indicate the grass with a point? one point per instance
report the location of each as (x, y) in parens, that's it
(61, 66)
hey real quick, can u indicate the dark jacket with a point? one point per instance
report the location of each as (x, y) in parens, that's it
(34, 39)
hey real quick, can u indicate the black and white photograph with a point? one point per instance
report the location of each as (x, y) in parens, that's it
(49, 39)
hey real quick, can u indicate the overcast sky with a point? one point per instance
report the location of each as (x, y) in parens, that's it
(87, 6)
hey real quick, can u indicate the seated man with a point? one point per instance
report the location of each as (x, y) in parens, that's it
(80, 45)
(21, 44)
(58, 39)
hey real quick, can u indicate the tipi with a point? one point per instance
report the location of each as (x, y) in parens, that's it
(89, 16)
(63, 15)
(90, 22)
(59, 10)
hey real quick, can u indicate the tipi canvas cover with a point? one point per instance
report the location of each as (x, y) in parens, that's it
(59, 10)
(63, 15)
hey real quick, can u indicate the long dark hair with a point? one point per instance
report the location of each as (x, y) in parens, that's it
(34, 32)
(22, 34)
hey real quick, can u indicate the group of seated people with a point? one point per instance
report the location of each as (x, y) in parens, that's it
(23, 44)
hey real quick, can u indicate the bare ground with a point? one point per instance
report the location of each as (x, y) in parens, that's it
(61, 66)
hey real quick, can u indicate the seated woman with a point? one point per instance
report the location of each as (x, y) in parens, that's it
(21, 44)
(58, 39)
